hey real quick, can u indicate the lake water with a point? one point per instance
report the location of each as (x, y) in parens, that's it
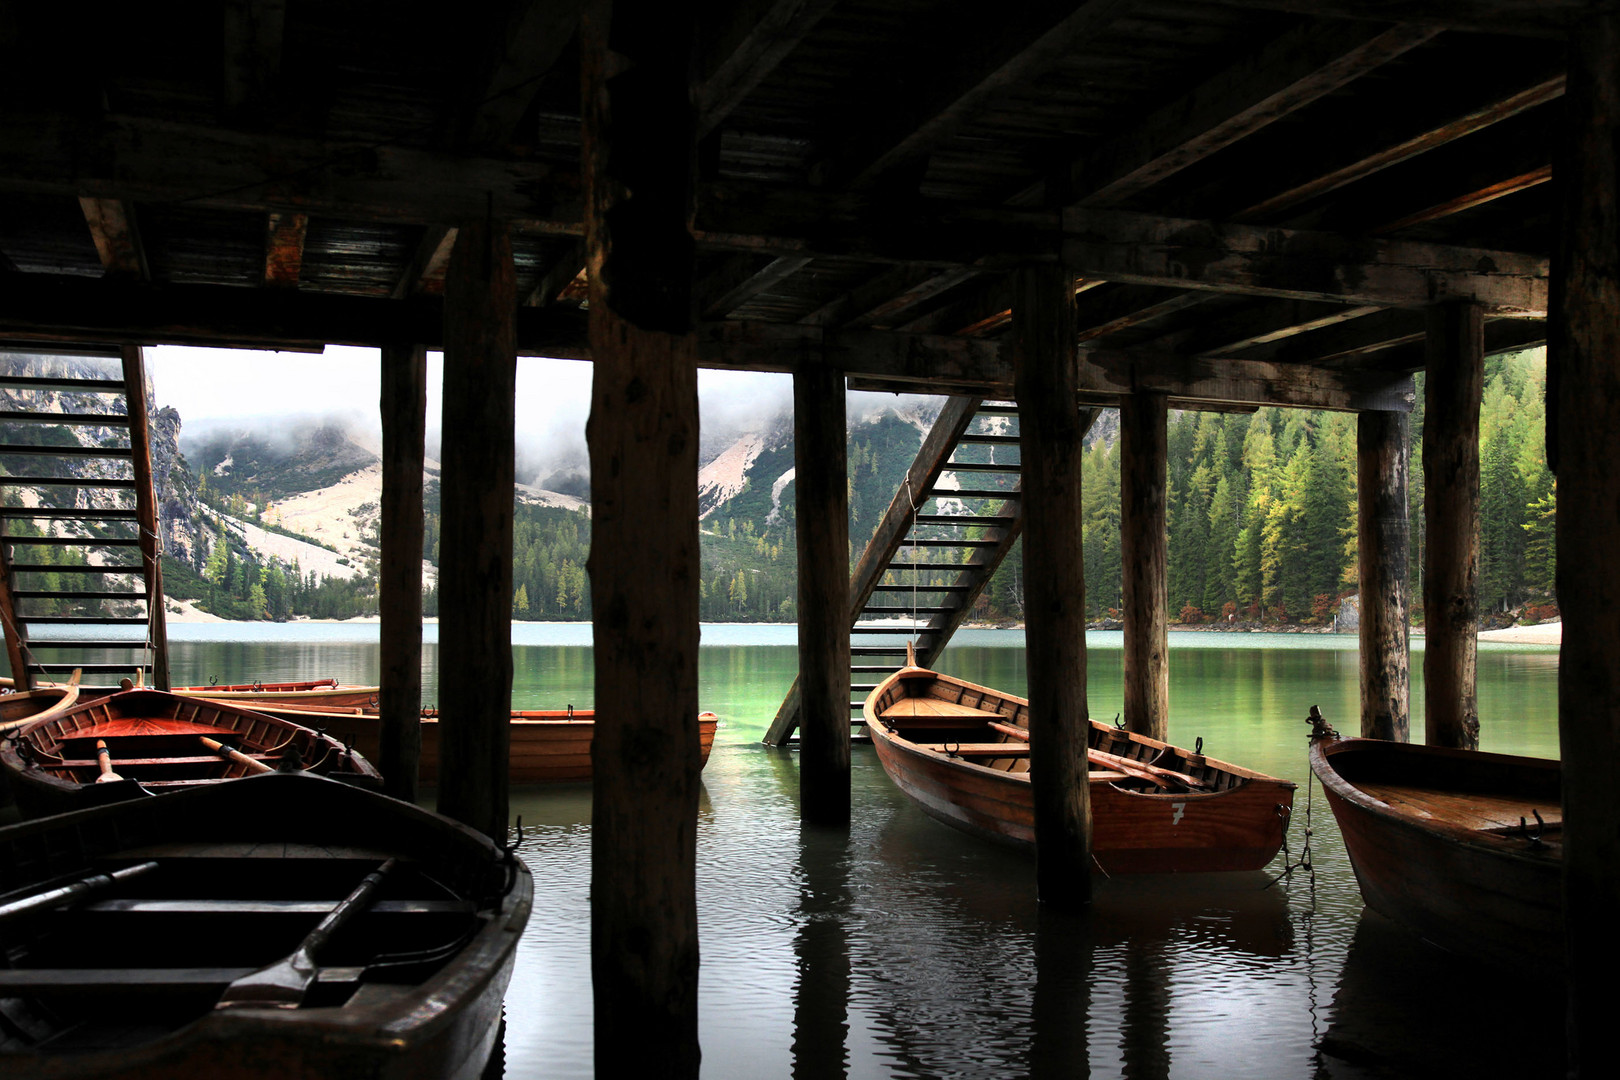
(901, 948)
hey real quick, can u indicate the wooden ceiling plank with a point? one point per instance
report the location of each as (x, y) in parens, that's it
(117, 239)
(753, 37)
(528, 46)
(284, 249)
(1291, 72)
(427, 266)
(1256, 324)
(251, 56)
(1242, 382)
(722, 294)
(1028, 39)
(1470, 199)
(1527, 18)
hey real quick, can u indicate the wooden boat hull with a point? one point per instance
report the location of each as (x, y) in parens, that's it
(314, 693)
(1238, 827)
(547, 746)
(440, 1022)
(154, 746)
(1412, 816)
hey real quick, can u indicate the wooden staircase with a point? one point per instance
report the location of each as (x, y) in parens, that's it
(108, 519)
(974, 520)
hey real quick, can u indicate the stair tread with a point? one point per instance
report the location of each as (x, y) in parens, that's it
(66, 385)
(69, 451)
(64, 481)
(47, 568)
(21, 416)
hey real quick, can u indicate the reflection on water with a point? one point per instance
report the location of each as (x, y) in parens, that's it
(901, 948)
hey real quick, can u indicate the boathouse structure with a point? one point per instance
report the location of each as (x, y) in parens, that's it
(1066, 204)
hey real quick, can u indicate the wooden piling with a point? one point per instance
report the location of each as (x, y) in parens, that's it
(1046, 370)
(638, 162)
(475, 537)
(399, 580)
(1382, 467)
(1584, 328)
(821, 491)
(1452, 393)
(1144, 538)
(146, 510)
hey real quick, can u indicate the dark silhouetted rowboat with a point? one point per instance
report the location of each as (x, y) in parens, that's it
(548, 746)
(1462, 847)
(182, 936)
(962, 752)
(140, 742)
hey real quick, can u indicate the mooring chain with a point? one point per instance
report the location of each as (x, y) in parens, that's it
(1320, 728)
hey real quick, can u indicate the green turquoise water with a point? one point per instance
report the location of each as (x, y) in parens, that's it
(901, 948)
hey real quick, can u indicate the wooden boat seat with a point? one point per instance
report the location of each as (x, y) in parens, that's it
(276, 907)
(928, 708)
(1485, 811)
(121, 762)
(117, 980)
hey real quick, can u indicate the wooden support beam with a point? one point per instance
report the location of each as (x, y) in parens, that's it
(399, 579)
(159, 161)
(1287, 74)
(17, 654)
(1051, 442)
(475, 543)
(425, 272)
(1144, 539)
(284, 249)
(1452, 393)
(1260, 322)
(564, 269)
(1382, 531)
(639, 161)
(1534, 18)
(117, 240)
(1584, 395)
(821, 491)
(1116, 374)
(744, 44)
(739, 281)
(146, 509)
(530, 41)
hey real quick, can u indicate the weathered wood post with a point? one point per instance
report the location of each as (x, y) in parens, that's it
(1144, 539)
(1585, 398)
(1452, 393)
(1046, 370)
(399, 580)
(146, 512)
(821, 491)
(1382, 530)
(639, 163)
(475, 537)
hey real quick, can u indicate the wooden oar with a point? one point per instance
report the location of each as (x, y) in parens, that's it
(64, 894)
(283, 984)
(1155, 774)
(253, 764)
(104, 760)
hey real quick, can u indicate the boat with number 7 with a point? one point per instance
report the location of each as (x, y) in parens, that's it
(961, 751)
(281, 925)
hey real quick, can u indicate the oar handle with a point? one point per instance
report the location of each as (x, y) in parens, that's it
(352, 905)
(1156, 774)
(64, 894)
(253, 764)
(104, 762)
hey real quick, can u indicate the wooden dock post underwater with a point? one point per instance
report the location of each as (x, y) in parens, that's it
(475, 539)
(399, 579)
(1456, 383)
(1584, 446)
(1052, 444)
(1382, 529)
(821, 491)
(639, 166)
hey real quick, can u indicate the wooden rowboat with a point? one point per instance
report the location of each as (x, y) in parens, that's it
(962, 752)
(1462, 847)
(316, 693)
(40, 703)
(183, 936)
(141, 742)
(548, 746)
